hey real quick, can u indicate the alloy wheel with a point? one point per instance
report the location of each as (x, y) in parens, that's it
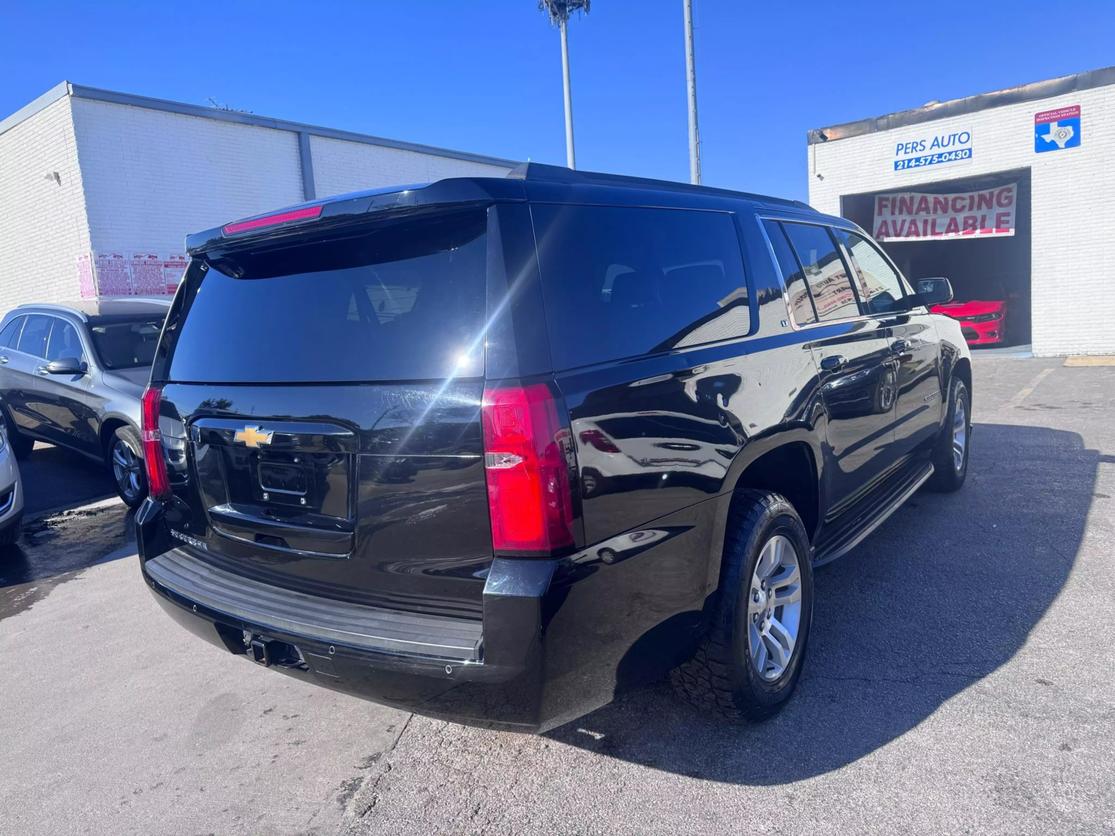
(126, 468)
(959, 433)
(774, 608)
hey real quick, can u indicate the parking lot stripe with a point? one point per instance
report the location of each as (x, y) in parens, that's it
(1028, 389)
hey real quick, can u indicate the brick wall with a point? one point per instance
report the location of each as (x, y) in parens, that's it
(134, 180)
(1072, 204)
(341, 166)
(152, 177)
(43, 229)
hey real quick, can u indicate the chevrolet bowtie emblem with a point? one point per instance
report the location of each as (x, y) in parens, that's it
(253, 436)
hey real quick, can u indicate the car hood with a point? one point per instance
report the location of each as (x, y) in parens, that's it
(129, 381)
(974, 307)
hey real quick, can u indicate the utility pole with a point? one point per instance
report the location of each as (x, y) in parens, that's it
(691, 81)
(570, 156)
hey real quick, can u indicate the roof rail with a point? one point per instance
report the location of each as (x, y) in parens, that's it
(539, 172)
(48, 306)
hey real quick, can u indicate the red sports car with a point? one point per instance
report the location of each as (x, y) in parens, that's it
(982, 322)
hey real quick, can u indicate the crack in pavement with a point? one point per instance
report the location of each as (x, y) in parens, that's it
(384, 761)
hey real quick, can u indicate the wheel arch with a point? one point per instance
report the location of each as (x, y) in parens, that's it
(789, 463)
(109, 425)
(963, 370)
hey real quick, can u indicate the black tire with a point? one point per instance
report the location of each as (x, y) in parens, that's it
(948, 475)
(124, 457)
(21, 444)
(721, 677)
(9, 531)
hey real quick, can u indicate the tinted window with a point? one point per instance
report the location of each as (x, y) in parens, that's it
(801, 305)
(398, 301)
(621, 282)
(64, 342)
(125, 344)
(825, 272)
(10, 332)
(880, 289)
(35, 332)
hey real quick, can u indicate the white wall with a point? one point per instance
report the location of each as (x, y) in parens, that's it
(134, 181)
(152, 177)
(43, 228)
(1073, 204)
(341, 166)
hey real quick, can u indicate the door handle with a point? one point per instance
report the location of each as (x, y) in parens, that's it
(41, 370)
(3, 359)
(833, 362)
(900, 346)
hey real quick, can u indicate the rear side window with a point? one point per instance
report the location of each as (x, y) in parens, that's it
(880, 288)
(396, 301)
(10, 333)
(33, 339)
(825, 272)
(622, 282)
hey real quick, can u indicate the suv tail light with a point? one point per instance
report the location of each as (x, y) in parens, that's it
(158, 485)
(529, 497)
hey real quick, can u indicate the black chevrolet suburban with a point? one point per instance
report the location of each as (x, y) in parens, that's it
(494, 450)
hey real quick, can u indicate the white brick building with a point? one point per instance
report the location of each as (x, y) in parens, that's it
(98, 189)
(1053, 259)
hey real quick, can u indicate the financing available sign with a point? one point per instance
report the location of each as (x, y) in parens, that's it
(918, 216)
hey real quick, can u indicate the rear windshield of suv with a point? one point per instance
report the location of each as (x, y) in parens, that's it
(397, 301)
(125, 343)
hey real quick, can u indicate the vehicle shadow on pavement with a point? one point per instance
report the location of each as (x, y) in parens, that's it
(54, 477)
(945, 593)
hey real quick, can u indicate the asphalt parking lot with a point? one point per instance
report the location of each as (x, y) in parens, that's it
(959, 680)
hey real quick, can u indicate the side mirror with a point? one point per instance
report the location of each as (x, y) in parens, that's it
(67, 366)
(935, 291)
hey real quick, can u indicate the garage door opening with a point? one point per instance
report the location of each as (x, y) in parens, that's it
(979, 238)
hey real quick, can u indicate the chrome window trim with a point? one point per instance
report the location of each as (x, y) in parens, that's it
(47, 307)
(57, 317)
(796, 326)
(28, 315)
(903, 284)
(85, 353)
(19, 332)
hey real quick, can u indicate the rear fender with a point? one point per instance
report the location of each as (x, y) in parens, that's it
(752, 452)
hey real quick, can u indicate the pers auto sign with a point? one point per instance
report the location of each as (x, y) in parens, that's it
(935, 149)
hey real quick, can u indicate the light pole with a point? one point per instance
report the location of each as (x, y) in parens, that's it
(559, 11)
(570, 155)
(691, 82)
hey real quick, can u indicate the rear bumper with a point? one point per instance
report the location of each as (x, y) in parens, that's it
(415, 663)
(557, 638)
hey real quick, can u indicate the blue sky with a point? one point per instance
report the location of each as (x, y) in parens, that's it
(485, 76)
